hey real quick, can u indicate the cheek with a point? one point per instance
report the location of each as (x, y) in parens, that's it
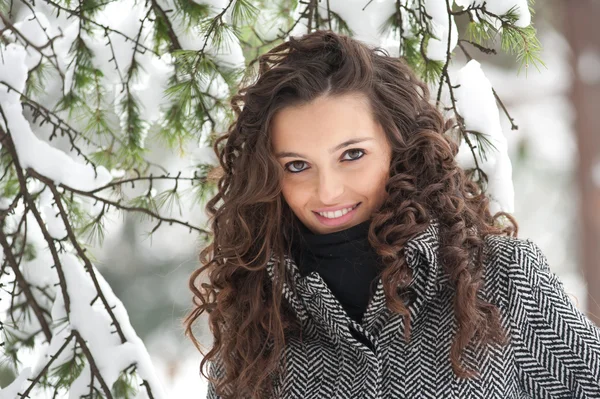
(293, 194)
(374, 185)
(374, 177)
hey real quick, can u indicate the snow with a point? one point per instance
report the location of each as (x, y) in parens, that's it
(91, 321)
(32, 152)
(94, 324)
(32, 28)
(365, 24)
(13, 71)
(477, 105)
(437, 47)
(184, 373)
(49, 161)
(54, 222)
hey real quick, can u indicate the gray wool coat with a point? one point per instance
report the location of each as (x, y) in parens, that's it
(554, 350)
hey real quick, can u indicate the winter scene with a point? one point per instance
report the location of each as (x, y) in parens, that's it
(180, 216)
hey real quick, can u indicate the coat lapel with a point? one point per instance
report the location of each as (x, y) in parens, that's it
(310, 293)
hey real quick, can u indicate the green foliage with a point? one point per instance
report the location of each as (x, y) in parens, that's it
(37, 78)
(132, 123)
(522, 42)
(190, 102)
(66, 373)
(219, 33)
(146, 201)
(93, 232)
(75, 212)
(430, 70)
(190, 12)
(244, 12)
(168, 199)
(13, 339)
(484, 145)
(480, 33)
(9, 184)
(125, 386)
(161, 34)
(201, 189)
(5, 6)
(69, 102)
(97, 124)
(412, 46)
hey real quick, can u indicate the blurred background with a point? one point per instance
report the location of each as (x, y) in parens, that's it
(556, 171)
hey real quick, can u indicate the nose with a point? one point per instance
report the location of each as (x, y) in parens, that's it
(331, 188)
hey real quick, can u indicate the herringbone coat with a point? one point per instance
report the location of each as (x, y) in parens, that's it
(554, 350)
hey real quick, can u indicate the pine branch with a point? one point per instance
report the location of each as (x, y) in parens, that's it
(32, 206)
(88, 265)
(133, 180)
(93, 366)
(118, 205)
(162, 15)
(24, 286)
(44, 370)
(79, 15)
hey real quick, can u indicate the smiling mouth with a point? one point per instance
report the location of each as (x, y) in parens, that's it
(337, 214)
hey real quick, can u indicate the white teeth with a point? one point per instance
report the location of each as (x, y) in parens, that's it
(336, 214)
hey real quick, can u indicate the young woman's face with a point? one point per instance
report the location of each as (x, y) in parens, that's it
(334, 155)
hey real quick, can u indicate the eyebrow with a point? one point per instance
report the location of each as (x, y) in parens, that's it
(285, 154)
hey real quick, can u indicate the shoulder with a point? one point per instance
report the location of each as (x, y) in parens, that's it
(508, 259)
(515, 256)
(506, 250)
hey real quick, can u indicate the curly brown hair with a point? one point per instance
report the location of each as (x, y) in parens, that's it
(251, 221)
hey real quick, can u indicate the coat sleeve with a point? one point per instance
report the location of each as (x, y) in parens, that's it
(556, 347)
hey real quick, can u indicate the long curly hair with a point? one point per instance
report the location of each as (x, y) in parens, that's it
(251, 221)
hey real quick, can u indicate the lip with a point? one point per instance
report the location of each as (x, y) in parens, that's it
(338, 221)
(337, 208)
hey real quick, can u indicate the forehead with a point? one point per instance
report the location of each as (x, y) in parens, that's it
(323, 123)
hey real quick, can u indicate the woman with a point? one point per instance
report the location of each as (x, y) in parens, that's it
(353, 258)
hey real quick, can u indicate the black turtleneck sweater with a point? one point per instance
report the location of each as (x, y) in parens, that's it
(344, 259)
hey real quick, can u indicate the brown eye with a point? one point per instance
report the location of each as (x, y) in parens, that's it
(287, 166)
(355, 150)
(360, 151)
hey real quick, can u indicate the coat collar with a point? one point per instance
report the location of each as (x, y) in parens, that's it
(421, 254)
